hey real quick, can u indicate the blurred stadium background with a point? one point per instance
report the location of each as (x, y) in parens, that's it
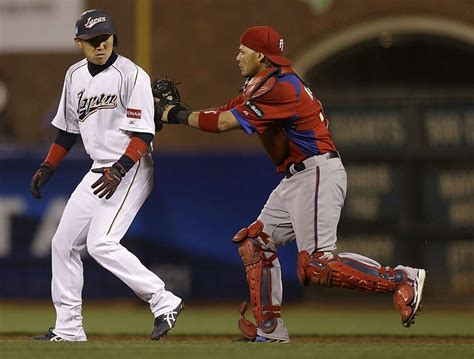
(397, 82)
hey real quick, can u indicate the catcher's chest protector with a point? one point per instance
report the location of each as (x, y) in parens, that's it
(257, 253)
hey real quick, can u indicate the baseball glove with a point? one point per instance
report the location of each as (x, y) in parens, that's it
(165, 93)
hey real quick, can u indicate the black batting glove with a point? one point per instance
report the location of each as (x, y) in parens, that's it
(41, 176)
(111, 177)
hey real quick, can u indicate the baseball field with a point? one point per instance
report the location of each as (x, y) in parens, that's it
(205, 331)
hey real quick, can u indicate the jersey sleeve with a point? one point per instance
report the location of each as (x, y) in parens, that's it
(232, 103)
(256, 114)
(139, 104)
(66, 116)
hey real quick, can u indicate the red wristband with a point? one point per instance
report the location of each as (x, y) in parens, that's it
(208, 120)
(136, 149)
(55, 155)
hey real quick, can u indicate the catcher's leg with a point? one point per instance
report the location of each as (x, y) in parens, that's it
(258, 254)
(353, 271)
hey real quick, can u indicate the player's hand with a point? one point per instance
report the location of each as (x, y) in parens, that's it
(41, 176)
(166, 96)
(160, 114)
(107, 184)
(166, 110)
(165, 93)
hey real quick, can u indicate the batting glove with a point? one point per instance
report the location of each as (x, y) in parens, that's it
(41, 176)
(111, 177)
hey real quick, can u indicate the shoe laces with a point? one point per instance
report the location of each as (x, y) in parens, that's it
(170, 317)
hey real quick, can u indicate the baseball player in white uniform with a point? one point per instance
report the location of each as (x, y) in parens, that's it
(107, 100)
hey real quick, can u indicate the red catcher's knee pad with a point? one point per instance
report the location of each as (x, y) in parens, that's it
(254, 248)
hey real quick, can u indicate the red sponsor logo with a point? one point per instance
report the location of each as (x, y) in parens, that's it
(134, 113)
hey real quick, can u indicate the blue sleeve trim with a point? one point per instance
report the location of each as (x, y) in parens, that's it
(65, 139)
(145, 137)
(246, 126)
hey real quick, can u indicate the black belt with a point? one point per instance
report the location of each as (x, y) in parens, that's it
(300, 166)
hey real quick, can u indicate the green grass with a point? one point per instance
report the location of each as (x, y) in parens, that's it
(135, 349)
(222, 320)
(316, 333)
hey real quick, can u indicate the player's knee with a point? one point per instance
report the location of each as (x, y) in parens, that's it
(253, 242)
(60, 248)
(314, 268)
(99, 250)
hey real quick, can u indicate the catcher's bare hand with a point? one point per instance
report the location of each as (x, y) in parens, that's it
(107, 184)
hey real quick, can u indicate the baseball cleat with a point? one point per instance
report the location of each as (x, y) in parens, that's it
(165, 322)
(416, 303)
(49, 336)
(260, 339)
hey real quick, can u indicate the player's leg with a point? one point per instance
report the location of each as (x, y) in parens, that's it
(263, 271)
(316, 197)
(108, 227)
(67, 272)
(354, 271)
(316, 238)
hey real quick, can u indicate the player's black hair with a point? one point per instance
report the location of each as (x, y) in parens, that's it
(115, 41)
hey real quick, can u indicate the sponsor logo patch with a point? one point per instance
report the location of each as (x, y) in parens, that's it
(255, 109)
(134, 113)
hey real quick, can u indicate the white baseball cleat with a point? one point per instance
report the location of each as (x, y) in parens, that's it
(165, 322)
(49, 336)
(416, 303)
(260, 339)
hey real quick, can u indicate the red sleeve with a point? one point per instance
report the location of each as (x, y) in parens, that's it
(232, 103)
(274, 106)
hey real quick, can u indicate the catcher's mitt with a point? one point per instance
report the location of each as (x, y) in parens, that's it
(165, 93)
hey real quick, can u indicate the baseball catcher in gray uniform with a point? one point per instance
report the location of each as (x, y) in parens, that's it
(305, 207)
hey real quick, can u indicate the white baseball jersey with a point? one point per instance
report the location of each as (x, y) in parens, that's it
(106, 108)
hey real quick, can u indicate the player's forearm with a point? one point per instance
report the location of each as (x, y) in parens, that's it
(60, 148)
(210, 120)
(207, 120)
(137, 147)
